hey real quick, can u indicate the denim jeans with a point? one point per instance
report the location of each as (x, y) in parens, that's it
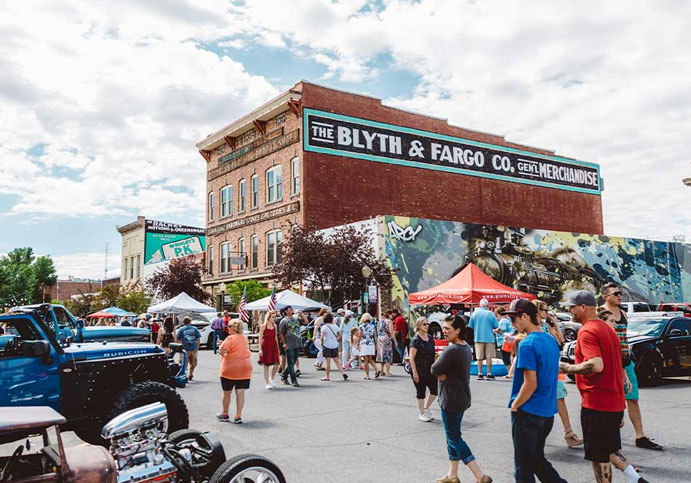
(529, 433)
(291, 356)
(401, 349)
(346, 354)
(218, 334)
(457, 448)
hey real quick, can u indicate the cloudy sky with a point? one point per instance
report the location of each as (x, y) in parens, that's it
(101, 103)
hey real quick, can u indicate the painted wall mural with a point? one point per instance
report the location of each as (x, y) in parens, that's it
(544, 263)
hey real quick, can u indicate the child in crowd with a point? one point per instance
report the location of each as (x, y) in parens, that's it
(355, 346)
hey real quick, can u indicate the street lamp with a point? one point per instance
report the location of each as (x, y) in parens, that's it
(366, 272)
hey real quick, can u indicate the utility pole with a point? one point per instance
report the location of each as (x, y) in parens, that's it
(105, 267)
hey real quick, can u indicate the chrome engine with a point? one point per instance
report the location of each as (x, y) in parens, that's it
(145, 452)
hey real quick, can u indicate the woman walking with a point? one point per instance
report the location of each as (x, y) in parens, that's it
(421, 359)
(368, 343)
(166, 335)
(453, 371)
(329, 342)
(504, 336)
(386, 344)
(317, 339)
(236, 370)
(268, 349)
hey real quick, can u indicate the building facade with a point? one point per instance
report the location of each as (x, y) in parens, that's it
(321, 157)
(132, 258)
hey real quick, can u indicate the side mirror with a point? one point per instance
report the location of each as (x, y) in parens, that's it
(80, 323)
(676, 333)
(41, 348)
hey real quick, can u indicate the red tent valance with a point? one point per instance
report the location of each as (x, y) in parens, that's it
(469, 286)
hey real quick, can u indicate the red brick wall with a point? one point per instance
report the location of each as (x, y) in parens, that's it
(340, 190)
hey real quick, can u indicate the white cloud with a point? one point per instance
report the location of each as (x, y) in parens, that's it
(87, 265)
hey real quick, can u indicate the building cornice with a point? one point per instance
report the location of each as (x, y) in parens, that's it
(140, 223)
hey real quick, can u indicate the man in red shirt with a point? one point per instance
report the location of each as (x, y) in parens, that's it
(600, 380)
(400, 327)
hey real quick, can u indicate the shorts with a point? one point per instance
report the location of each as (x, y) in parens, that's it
(192, 358)
(634, 383)
(600, 433)
(367, 350)
(485, 350)
(330, 352)
(427, 381)
(561, 390)
(229, 384)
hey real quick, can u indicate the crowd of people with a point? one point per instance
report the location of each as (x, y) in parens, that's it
(528, 337)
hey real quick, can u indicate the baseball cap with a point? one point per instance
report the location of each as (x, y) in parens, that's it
(521, 306)
(340, 311)
(348, 313)
(580, 297)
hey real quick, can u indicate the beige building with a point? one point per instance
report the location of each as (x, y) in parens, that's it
(132, 261)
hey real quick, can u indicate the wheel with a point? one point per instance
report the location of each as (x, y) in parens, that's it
(210, 341)
(207, 453)
(569, 335)
(310, 349)
(248, 468)
(406, 367)
(435, 331)
(649, 370)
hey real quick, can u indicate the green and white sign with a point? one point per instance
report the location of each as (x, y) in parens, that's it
(166, 241)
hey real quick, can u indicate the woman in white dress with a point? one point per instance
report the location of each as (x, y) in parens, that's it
(368, 344)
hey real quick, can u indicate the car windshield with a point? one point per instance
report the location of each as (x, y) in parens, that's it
(648, 327)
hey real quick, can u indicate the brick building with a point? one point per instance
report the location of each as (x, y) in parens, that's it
(324, 157)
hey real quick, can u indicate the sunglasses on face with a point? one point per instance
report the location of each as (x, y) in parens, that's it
(425, 324)
(615, 294)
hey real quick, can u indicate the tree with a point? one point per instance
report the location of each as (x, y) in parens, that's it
(180, 275)
(23, 277)
(45, 276)
(110, 295)
(136, 301)
(84, 304)
(254, 290)
(331, 264)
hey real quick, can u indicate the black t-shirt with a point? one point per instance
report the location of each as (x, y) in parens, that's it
(424, 358)
(454, 362)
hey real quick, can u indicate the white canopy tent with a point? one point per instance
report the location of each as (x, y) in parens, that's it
(180, 304)
(285, 298)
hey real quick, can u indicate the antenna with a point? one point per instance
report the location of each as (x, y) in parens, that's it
(105, 266)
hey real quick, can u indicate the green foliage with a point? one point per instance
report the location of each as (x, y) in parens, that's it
(23, 277)
(136, 301)
(84, 304)
(255, 291)
(110, 296)
(131, 298)
(180, 275)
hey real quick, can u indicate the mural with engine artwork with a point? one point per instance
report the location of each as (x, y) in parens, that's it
(424, 253)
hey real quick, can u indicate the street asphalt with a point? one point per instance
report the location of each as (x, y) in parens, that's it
(367, 431)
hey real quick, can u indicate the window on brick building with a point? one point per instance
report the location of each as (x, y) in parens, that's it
(124, 269)
(241, 196)
(295, 173)
(210, 259)
(274, 184)
(139, 261)
(226, 201)
(211, 206)
(131, 267)
(242, 253)
(254, 256)
(274, 243)
(225, 257)
(255, 191)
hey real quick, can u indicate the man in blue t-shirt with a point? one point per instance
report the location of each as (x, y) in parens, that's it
(533, 400)
(190, 338)
(483, 322)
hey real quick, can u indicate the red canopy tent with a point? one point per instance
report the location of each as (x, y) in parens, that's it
(100, 315)
(469, 286)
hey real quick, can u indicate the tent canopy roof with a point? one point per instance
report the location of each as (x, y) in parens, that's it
(101, 314)
(117, 311)
(285, 298)
(469, 286)
(180, 304)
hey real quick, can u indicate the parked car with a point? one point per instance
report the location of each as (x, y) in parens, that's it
(203, 324)
(88, 383)
(660, 347)
(66, 326)
(675, 307)
(635, 307)
(568, 327)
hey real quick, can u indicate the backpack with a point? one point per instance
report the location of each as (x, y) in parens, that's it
(167, 339)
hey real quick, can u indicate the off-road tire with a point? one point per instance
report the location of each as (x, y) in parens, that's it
(236, 465)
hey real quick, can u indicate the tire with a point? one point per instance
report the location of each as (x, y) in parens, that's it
(435, 331)
(649, 370)
(570, 335)
(210, 341)
(198, 441)
(407, 368)
(235, 466)
(310, 349)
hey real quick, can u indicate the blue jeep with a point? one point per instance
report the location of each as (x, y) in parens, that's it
(65, 326)
(88, 383)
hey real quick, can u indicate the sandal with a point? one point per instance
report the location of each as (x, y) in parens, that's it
(377, 374)
(572, 439)
(367, 378)
(325, 379)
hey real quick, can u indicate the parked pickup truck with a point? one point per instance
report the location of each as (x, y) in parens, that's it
(67, 326)
(88, 383)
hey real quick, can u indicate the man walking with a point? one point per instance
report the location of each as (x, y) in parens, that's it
(218, 325)
(533, 399)
(483, 322)
(344, 329)
(291, 341)
(190, 338)
(600, 380)
(611, 295)
(400, 327)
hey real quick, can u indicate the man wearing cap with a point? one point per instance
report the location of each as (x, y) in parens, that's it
(483, 322)
(611, 295)
(533, 399)
(600, 380)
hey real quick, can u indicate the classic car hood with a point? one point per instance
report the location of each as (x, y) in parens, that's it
(108, 350)
(115, 333)
(640, 338)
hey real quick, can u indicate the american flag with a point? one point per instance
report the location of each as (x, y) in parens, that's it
(244, 316)
(272, 301)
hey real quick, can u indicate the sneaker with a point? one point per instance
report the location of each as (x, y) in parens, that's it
(446, 479)
(480, 377)
(490, 377)
(269, 386)
(237, 420)
(296, 384)
(345, 377)
(273, 383)
(284, 380)
(190, 378)
(424, 417)
(647, 443)
(222, 417)
(428, 413)
(485, 479)
(298, 373)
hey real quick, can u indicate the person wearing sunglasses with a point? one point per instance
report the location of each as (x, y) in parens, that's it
(421, 359)
(611, 295)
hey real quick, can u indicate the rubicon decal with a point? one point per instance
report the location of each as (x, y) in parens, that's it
(353, 137)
